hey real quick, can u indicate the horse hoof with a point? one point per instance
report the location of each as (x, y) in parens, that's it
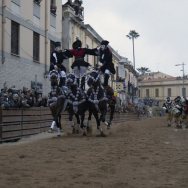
(73, 131)
(108, 127)
(84, 134)
(102, 134)
(50, 130)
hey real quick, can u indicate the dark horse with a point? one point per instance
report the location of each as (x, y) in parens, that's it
(56, 102)
(105, 97)
(79, 103)
(97, 99)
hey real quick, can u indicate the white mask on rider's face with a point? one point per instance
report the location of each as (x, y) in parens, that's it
(58, 48)
(103, 47)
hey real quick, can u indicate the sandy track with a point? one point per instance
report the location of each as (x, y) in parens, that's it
(141, 154)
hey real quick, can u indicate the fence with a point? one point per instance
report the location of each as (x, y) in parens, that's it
(18, 123)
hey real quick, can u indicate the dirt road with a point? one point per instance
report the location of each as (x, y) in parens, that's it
(141, 154)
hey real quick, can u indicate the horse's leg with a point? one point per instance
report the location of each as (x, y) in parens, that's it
(82, 124)
(99, 128)
(78, 123)
(59, 120)
(89, 118)
(103, 109)
(58, 125)
(72, 122)
(112, 110)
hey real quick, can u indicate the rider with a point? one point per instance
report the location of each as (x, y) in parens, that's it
(56, 60)
(105, 57)
(168, 104)
(79, 65)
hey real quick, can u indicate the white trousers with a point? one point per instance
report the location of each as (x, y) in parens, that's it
(79, 72)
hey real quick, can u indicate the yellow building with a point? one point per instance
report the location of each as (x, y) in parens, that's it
(158, 85)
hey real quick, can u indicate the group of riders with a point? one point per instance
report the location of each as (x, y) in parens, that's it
(68, 91)
(177, 111)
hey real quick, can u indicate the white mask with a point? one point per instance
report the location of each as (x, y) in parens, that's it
(103, 47)
(58, 48)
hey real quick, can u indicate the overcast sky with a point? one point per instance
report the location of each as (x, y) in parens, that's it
(161, 24)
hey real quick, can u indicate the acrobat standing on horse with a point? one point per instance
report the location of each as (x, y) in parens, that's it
(56, 63)
(79, 65)
(105, 57)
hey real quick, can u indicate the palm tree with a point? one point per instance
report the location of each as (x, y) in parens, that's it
(133, 35)
(143, 70)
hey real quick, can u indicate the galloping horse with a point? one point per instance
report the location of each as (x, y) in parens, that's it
(79, 103)
(97, 98)
(56, 101)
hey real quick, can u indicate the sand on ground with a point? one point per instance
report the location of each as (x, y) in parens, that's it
(135, 154)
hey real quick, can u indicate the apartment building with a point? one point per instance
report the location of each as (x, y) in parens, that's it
(28, 30)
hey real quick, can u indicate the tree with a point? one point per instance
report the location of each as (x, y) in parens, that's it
(133, 35)
(143, 70)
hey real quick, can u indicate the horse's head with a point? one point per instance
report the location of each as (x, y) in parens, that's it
(94, 79)
(54, 77)
(71, 82)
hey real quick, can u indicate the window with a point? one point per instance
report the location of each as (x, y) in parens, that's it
(117, 74)
(52, 46)
(53, 7)
(15, 29)
(156, 92)
(184, 92)
(169, 92)
(16, 2)
(147, 92)
(36, 46)
(36, 9)
(37, 1)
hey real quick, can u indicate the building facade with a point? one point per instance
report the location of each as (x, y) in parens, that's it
(28, 30)
(158, 85)
(27, 35)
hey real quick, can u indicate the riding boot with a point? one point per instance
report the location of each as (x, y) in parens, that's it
(106, 78)
(62, 81)
(83, 83)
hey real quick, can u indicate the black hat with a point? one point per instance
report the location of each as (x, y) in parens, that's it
(104, 42)
(57, 44)
(77, 44)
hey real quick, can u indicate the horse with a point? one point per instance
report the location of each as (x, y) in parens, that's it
(97, 98)
(56, 101)
(81, 102)
(175, 112)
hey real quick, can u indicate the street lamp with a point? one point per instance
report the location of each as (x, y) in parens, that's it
(183, 89)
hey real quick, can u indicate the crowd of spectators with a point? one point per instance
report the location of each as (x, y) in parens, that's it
(18, 98)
